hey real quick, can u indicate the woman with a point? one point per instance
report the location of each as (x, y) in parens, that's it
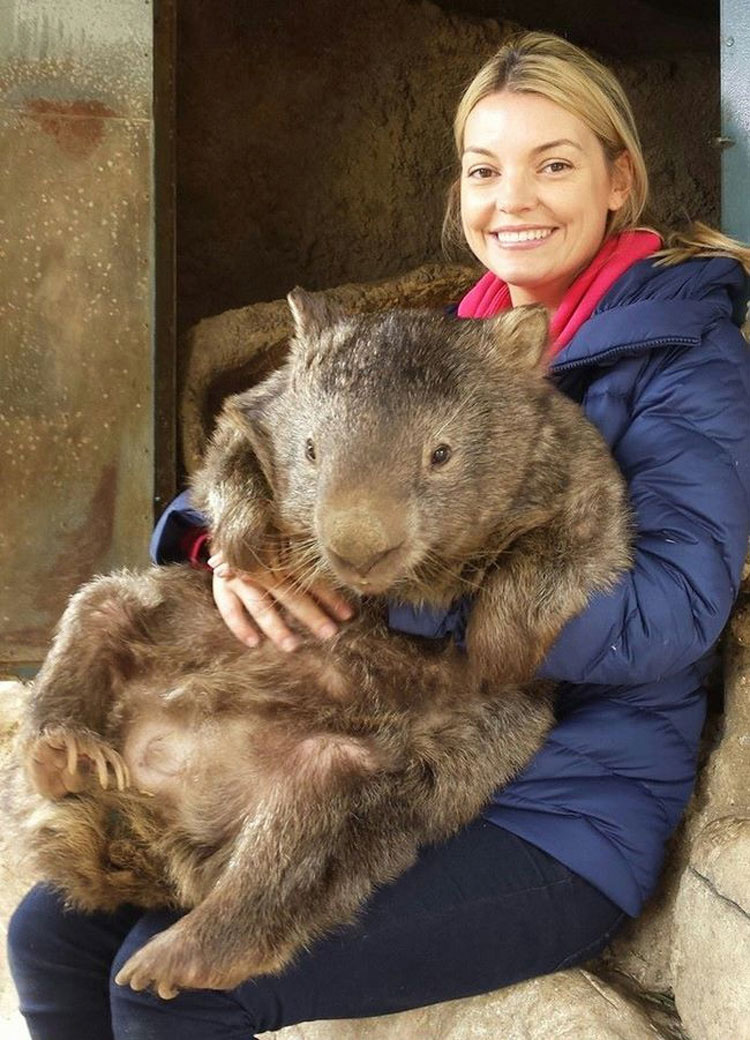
(551, 190)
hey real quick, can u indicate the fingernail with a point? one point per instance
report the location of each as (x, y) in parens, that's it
(213, 560)
(327, 630)
(252, 640)
(345, 611)
(290, 643)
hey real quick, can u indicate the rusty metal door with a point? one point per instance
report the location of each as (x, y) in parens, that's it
(76, 335)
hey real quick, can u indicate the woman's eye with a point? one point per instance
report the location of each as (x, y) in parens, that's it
(440, 455)
(310, 450)
(557, 167)
(481, 172)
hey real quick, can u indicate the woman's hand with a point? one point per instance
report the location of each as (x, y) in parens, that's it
(249, 605)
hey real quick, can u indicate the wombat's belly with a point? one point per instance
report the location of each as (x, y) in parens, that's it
(208, 772)
(205, 774)
(260, 721)
(159, 752)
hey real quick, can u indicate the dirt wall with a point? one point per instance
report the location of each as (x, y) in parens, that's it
(314, 141)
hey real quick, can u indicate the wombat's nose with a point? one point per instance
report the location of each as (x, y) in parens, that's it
(362, 564)
(357, 539)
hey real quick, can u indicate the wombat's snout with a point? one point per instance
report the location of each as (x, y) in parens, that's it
(362, 544)
(363, 564)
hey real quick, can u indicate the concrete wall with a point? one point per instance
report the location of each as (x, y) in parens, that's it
(75, 328)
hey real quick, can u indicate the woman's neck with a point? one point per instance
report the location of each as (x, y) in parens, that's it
(550, 295)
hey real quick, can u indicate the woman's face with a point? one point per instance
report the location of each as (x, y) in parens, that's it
(535, 192)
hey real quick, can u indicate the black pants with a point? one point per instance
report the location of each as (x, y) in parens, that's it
(481, 911)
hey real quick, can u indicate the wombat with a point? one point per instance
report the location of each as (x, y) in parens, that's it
(404, 456)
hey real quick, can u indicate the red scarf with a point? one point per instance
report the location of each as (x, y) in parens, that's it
(491, 295)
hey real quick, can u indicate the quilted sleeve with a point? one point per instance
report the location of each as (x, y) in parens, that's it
(685, 454)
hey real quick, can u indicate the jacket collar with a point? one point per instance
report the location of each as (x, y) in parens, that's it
(649, 307)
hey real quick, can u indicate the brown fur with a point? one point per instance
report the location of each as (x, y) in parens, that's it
(269, 793)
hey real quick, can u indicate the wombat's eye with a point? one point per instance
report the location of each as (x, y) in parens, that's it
(440, 455)
(310, 450)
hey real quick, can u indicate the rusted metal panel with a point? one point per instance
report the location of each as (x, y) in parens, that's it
(76, 250)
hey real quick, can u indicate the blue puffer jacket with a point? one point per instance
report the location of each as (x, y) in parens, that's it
(661, 369)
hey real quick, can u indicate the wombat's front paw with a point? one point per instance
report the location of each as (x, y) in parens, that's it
(176, 960)
(62, 761)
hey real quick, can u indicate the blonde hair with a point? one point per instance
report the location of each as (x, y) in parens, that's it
(545, 64)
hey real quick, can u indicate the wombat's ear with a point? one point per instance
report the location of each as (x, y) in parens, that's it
(311, 313)
(250, 413)
(521, 335)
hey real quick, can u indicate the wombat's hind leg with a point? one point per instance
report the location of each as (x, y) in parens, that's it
(107, 627)
(62, 761)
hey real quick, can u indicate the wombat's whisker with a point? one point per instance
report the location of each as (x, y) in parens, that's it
(306, 569)
(304, 545)
(438, 568)
(304, 582)
(247, 544)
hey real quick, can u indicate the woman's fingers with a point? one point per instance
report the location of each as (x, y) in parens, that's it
(249, 605)
(232, 610)
(305, 609)
(250, 612)
(219, 566)
(261, 606)
(333, 601)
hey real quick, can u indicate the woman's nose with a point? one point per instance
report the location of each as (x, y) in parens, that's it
(515, 192)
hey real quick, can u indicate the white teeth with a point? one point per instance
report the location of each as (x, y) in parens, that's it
(523, 236)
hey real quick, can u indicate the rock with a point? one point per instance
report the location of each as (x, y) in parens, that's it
(721, 856)
(326, 158)
(724, 786)
(570, 1005)
(711, 949)
(711, 941)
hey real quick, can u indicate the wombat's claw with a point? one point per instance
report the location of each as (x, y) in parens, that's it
(166, 964)
(139, 979)
(175, 960)
(102, 755)
(55, 759)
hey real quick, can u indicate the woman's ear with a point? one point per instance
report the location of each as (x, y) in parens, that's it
(621, 173)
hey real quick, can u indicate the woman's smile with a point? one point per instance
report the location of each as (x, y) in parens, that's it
(522, 237)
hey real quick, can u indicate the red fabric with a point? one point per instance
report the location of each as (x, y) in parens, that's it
(194, 546)
(491, 295)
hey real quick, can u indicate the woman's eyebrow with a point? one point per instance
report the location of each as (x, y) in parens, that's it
(555, 144)
(539, 148)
